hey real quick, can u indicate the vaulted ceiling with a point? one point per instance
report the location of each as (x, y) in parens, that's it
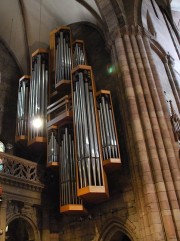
(26, 24)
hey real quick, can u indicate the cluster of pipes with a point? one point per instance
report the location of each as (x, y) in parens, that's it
(68, 169)
(78, 54)
(22, 107)
(86, 111)
(38, 94)
(88, 156)
(53, 147)
(107, 128)
(63, 56)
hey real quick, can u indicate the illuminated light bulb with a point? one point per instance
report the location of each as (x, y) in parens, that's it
(37, 122)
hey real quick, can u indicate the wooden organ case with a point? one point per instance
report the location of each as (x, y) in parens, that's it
(61, 150)
(91, 178)
(22, 109)
(77, 122)
(108, 133)
(38, 98)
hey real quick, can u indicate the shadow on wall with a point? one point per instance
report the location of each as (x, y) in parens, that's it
(9, 76)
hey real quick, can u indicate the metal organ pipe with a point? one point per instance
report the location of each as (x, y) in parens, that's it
(88, 157)
(53, 147)
(38, 93)
(22, 106)
(78, 53)
(62, 56)
(107, 127)
(67, 169)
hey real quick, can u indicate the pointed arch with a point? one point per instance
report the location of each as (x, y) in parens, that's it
(32, 227)
(113, 226)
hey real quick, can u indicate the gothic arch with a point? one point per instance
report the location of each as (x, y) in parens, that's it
(117, 225)
(33, 231)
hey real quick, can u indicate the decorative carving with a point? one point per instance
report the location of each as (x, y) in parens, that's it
(175, 123)
(19, 168)
(20, 209)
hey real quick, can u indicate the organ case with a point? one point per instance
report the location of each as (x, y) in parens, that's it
(108, 133)
(38, 97)
(91, 179)
(60, 56)
(22, 109)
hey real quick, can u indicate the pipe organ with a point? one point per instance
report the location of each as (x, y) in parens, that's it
(78, 53)
(81, 132)
(91, 177)
(69, 200)
(52, 146)
(108, 133)
(38, 97)
(22, 108)
(60, 55)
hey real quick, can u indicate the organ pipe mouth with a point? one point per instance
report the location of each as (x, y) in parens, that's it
(37, 122)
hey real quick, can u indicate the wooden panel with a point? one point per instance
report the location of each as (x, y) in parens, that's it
(64, 118)
(52, 164)
(37, 140)
(73, 209)
(93, 194)
(63, 85)
(21, 138)
(112, 164)
(39, 51)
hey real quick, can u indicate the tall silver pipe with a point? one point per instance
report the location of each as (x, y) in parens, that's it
(113, 132)
(112, 154)
(81, 134)
(75, 101)
(99, 170)
(106, 126)
(92, 147)
(86, 156)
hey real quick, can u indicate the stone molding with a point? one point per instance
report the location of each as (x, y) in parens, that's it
(19, 172)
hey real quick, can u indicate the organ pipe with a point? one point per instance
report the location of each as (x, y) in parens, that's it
(60, 53)
(68, 188)
(53, 146)
(22, 108)
(108, 133)
(78, 53)
(88, 153)
(38, 94)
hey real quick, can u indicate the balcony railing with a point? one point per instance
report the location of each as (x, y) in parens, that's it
(12, 166)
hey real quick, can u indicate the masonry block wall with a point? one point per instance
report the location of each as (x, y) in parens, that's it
(9, 76)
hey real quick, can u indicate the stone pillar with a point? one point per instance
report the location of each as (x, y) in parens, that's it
(137, 185)
(142, 166)
(3, 209)
(159, 125)
(45, 225)
(161, 107)
(154, 161)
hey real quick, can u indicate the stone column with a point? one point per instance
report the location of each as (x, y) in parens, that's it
(160, 132)
(3, 209)
(161, 107)
(45, 225)
(137, 185)
(158, 159)
(153, 231)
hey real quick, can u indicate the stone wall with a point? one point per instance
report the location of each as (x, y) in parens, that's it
(9, 76)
